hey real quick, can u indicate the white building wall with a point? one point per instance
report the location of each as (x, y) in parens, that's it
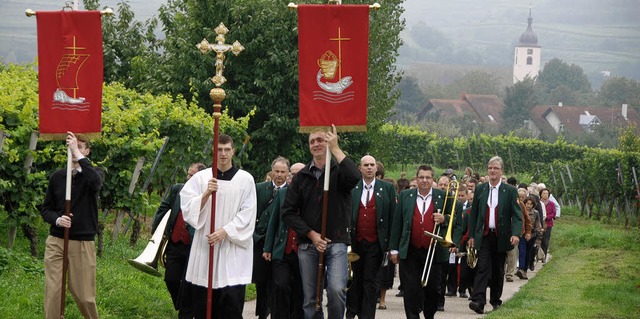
(520, 67)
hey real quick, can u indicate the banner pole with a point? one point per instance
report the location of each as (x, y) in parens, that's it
(65, 248)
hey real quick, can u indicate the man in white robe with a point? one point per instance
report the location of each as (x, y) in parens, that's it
(232, 237)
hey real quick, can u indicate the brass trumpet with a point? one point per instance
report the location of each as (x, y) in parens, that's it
(472, 256)
(153, 254)
(351, 258)
(452, 190)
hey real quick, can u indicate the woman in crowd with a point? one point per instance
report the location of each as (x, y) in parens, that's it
(549, 213)
(526, 244)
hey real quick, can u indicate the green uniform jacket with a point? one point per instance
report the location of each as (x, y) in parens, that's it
(403, 221)
(509, 215)
(171, 202)
(265, 196)
(276, 239)
(460, 230)
(385, 197)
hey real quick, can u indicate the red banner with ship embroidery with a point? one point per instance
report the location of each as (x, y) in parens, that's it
(70, 73)
(333, 56)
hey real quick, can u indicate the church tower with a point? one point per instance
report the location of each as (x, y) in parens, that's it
(527, 55)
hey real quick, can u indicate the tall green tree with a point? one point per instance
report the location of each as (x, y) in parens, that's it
(265, 75)
(129, 45)
(519, 100)
(557, 73)
(411, 99)
(616, 91)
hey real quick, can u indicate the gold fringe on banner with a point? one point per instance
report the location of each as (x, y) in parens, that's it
(62, 136)
(342, 128)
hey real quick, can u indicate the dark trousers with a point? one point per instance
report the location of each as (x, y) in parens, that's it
(262, 279)
(419, 299)
(546, 238)
(444, 272)
(490, 271)
(227, 302)
(287, 295)
(452, 277)
(364, 291)
(467, 274)
(177, 257)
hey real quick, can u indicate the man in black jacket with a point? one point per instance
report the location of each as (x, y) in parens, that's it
(83, 226)
(179, 235)
(302, 211)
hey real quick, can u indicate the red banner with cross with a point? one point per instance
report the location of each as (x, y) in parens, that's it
(70, 73)
(333, 59)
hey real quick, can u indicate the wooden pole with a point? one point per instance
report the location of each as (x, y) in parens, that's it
(323, 230)
(217, 95)
(65, 249)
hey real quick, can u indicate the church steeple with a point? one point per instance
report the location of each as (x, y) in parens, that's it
(527, 54)
(529, 37)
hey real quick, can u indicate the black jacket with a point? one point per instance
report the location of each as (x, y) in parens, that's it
(85, 188)
(305, 195)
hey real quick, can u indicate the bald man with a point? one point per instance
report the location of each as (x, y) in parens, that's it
(281, 249)
(372, 206)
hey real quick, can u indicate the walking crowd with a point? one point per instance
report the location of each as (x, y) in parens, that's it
(443, 235)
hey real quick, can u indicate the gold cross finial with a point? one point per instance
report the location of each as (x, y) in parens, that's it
(219, 48)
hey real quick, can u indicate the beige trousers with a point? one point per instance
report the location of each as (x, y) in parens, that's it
(81, 276)
(512, 260)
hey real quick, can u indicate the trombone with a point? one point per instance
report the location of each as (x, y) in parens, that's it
(450, 198)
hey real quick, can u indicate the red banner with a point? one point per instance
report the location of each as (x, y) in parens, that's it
(70, 73)
(333, 59)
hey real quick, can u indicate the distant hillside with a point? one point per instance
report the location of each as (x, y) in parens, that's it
(598, 35)
(18, 42)
(431, 73)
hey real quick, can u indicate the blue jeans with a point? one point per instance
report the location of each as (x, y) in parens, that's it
(336, 271)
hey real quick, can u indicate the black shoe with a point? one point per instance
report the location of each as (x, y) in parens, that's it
(478, 308)
(520, 274)
(532, 267)
(463, 295)
(496, 306)
(440, 308)
(400, 293)
(450, 294)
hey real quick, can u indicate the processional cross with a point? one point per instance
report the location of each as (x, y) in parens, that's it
(217, 95)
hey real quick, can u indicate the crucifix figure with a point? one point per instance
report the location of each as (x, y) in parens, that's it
(219, 48)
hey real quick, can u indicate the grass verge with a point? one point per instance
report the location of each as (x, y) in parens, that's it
(594, 273)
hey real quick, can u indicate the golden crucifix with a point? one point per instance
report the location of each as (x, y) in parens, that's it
(217, 95)
(219, 48)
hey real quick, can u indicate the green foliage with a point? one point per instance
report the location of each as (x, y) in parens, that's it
(133, 125)
(596, 263)
(411, 99)
(560, 80)
(20, 192)
(616, 91)
(629, 141)
(520, 99)
(263, 77)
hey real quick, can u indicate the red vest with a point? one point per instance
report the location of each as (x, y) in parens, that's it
(180, 232)
(418, 238)
(291, 246)
(366, 228)
(486, 220)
